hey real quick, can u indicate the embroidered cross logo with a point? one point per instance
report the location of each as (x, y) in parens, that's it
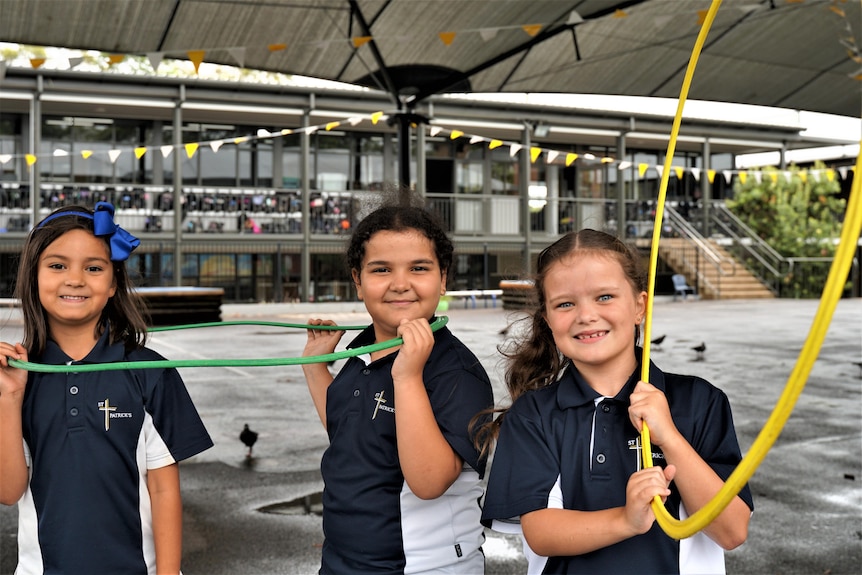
(107, 408)
(378, 397)
(635, 444)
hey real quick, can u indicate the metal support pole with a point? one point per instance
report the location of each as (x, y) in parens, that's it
(524, 190)
(305, 186)
(622, 213)
(706, 188)
(178, 188)
(35, 144)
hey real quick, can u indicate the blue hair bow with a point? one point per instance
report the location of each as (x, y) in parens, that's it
(122, 242)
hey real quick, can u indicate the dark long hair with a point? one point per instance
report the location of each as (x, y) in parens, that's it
(400, 217)
(123, 313)
(533, 360)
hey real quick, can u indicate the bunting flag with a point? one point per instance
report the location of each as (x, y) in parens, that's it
(166, 150)
(139, 152)
(495, 144)
(642, 168)
(197, 57)
(694, 172)
(488, 34)
(375, 117)
(332, 125)
(113, 155)
(75, 62)
(743, 176)
(447, 37)
(619, 14)
(215, 145)
(276, 47)
(238, 54)
(359, 41)
(191, 149)
(86, 154)
(155, 59)
(36, 63)
(115, 59)
(570, 157)
(455, 134)
(476, 139)
(531, 29)
(679, 172)
(514, 149)
(552, 155)
(710, 174)
(534, 154)
(30, 159)
(5, 158)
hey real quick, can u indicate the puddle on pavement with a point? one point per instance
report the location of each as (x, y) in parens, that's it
(306, 505)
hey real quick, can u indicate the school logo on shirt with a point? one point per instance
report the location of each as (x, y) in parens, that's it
(380, 401)
(635, 445)
(111, 412)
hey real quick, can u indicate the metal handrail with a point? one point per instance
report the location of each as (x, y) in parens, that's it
(703, 250)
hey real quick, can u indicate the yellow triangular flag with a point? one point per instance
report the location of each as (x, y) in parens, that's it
(191, 148)
(830, 175)
(531, 29)
(642, 168)
(570, 157)
(535, 153)
(240, 140)
(375, 117)
(361, 41)
(447, 37)
(701, 17)
(678, 172)
(30, 158)
(495, 144)
(620, 13)
(332, 125)
(710, 174)
(196, 56)
(86, 153)
(774, 177)
(455, 134)
(140, 152)
(37, 62)
(116, 58)
(803, 175)
(276, 47)
(742, 177)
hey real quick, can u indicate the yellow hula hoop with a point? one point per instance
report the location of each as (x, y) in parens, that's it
(832, 290)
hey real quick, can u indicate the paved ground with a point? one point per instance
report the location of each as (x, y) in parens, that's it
(808, 491)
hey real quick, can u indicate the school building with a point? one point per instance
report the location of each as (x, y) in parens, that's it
(255, 188)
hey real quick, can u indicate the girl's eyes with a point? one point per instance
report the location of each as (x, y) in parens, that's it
(605, 297)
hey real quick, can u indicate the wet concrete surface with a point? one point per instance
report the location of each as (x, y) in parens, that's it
(237, 517)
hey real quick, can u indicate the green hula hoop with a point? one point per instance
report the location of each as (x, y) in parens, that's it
(261, 362)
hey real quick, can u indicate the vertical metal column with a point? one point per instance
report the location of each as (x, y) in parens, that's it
(706, 188)
(35, 145)
(524, 190)
(420, 161)
(178, 188)
(622, 215)
(305, 186)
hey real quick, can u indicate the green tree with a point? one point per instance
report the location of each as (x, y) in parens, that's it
(799, 216)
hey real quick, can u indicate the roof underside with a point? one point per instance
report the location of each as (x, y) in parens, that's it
(798, 54)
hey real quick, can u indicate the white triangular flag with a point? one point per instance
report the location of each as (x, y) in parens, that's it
(166, 150)
(488, 33)
(216, 144)
(114, 154)
(696, 173)
(238, 54)
(155, 59)
(514, 149)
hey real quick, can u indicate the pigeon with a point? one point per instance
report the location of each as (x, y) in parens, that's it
(700, 349)
(248, 437)
(658, 341)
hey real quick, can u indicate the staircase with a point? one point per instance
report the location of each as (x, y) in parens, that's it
(707, 265)
(715, 273)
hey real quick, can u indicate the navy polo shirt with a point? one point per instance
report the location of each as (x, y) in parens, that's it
(545, 444)
(369, 515)
(89, 440)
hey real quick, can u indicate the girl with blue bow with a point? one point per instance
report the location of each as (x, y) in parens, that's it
(91, 459)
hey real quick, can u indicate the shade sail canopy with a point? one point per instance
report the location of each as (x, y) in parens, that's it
(799, 54)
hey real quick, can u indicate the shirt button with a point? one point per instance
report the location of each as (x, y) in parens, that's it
(600, 457)
(73, 411)
(355, 393)
(606, 408)
(366, 371)
(73, 390)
